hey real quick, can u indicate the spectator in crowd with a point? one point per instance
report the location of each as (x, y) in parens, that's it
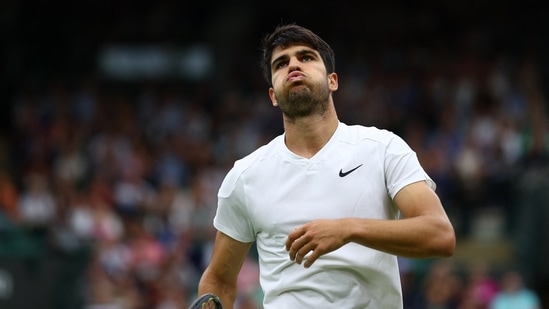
(480, 287)
(514, 295)
(442, 287)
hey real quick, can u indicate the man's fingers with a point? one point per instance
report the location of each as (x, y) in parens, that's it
(303, 253)
(292, 237)
(306, 259)
(296, 246)
(294, 251)
(310, 259)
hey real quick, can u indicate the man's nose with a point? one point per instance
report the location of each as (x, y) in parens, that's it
(293, 64)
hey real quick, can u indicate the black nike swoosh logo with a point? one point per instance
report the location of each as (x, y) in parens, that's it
(343, 174)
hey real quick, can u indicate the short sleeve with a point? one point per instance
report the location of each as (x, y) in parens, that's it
(232, 216)
(402, 166)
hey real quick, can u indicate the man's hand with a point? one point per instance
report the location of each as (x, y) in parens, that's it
(309, 241)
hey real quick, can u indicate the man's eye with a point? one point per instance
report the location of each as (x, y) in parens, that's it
(307, 58)
(280, 65)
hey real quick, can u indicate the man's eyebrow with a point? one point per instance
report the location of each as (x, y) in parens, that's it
(301, 52)
(280, 58)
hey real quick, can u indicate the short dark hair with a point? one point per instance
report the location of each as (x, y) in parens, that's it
(291, 34)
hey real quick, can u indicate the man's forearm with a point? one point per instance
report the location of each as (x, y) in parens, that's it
(419, 237)
(226, 292)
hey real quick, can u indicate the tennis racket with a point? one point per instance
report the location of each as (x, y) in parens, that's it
(207, 301)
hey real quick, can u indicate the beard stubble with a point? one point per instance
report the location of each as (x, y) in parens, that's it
(304, 100)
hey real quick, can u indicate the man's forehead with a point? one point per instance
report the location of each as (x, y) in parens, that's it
(281, 50)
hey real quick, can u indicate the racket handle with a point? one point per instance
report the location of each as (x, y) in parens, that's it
(207, 301)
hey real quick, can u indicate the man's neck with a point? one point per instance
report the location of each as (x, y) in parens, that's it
(306, 136)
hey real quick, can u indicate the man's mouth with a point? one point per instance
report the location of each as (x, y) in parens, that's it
(295, 76)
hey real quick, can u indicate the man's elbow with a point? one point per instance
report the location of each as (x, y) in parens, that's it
(446, 244)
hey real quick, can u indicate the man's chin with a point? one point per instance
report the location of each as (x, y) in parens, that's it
(298, 90)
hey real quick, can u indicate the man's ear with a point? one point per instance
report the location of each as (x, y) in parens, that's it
(333, 83)
(273, 96)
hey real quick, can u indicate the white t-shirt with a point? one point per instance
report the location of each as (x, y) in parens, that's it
(272, 191)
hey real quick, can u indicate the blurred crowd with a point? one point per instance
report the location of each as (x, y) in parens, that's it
(128, 172)
(132, 171)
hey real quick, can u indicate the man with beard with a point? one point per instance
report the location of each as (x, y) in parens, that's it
(330, 206)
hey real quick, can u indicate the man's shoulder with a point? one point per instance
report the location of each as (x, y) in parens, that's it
(260, 153)
(359, 133)
(256, 157)
(245, 164)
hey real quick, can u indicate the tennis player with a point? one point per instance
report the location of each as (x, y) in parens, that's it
(330, 206)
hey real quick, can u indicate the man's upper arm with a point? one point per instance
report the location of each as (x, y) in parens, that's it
(418, 199)
(227, 258)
